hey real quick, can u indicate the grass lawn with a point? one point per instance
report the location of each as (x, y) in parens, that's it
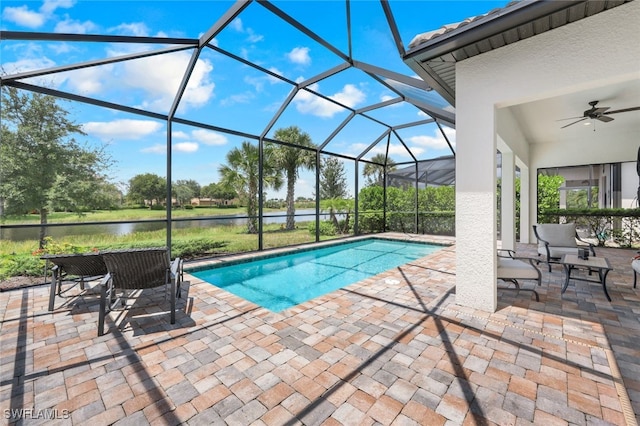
(127, 214)
(23, 258)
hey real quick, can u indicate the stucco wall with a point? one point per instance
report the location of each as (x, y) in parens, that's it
(587, 53)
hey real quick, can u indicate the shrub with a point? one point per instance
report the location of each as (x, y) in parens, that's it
(191, 248)
(20, 264)
(370, 221)
(326, 228)
(53, 247)
(345, 228)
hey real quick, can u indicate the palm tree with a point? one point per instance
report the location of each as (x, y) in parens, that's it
(374, 172)
(242, 174)
(289, 159)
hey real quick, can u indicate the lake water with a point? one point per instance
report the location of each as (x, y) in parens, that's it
(31, 233)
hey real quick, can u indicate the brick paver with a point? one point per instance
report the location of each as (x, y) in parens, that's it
(392, 349)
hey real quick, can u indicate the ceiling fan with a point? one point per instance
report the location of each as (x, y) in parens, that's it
(601, 114)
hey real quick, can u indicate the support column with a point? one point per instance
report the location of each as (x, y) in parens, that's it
(508, 198)
(476, 260)
(525, 194)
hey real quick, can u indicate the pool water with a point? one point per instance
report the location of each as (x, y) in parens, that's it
(281, 282)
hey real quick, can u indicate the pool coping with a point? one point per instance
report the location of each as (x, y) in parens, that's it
(239, 258)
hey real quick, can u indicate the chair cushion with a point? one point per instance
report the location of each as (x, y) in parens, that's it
(561, 251)
(516, 269)
(558, 234)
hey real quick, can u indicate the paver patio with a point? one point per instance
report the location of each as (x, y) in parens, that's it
(392, 349)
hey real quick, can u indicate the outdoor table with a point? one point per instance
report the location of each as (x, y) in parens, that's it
(596, 264)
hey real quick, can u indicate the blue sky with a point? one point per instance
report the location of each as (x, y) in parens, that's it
(224, 92)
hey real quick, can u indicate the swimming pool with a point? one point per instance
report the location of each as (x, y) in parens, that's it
(281, 282)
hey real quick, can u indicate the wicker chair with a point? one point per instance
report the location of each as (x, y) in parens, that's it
(81, 266)
(137, 269)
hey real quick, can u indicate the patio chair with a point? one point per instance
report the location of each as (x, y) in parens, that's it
(81, 266)
(556, 239)
(512, 268)
(137, 269)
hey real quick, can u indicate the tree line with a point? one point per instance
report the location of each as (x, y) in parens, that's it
(44, 168)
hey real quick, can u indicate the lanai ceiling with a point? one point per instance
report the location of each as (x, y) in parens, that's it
(539, 119)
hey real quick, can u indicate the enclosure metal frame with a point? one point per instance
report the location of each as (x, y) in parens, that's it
(197, 45)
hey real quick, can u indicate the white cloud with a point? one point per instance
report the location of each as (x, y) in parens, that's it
(24, 65)
(26, 17)
(121, 129)
(299, 55)
(185, 147)
(200, 88)
(259, 82)
(240, 98)
(208, 137)
(155, 149)
(23, 16)
(272, 79)
(252, 37)
(385, 98)
(349, 96)
(307, 103)
(36, 63)
(49, 6)
(160, 76)
(236, 24)
(397, 150)
(89, 81)
(179, 135)
(75, 27)
(60, 48)
(256, 82)
(436, 140)
(135, 29)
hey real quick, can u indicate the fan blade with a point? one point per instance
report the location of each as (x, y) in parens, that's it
(570, 124)
(623, 110)
(570, 118)
(598, 110)
(604, 118)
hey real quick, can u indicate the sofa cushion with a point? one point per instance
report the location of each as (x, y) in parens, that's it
(558, 234)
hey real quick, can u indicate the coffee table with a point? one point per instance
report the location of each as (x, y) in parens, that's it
(596, 264)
